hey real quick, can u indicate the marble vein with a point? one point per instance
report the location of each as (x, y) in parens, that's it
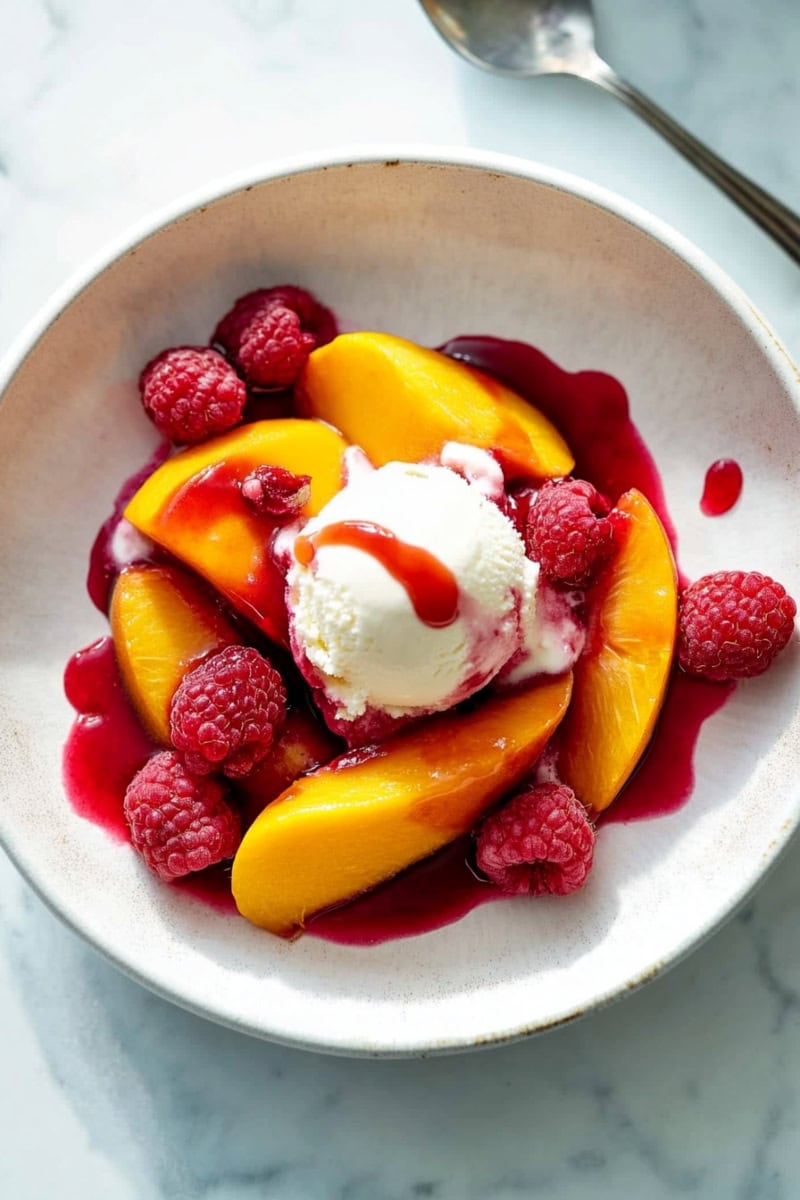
(763, 1181)
(786, 998)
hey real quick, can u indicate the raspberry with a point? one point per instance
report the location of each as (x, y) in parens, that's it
(179, 823)
(314, 317)
(226, 712)
(273, 349)
(191, 393)
(540, 841)
(276, 492)
(733, 624)
(569, 532)
(269, 333)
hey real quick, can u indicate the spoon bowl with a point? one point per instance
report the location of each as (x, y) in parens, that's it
(518, 37)
(556, 37)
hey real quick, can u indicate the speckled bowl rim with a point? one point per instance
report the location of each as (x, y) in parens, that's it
(314, 161)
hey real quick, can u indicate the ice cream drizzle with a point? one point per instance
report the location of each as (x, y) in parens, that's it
(432, 587)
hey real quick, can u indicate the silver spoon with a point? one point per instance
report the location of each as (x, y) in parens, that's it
(544, 37)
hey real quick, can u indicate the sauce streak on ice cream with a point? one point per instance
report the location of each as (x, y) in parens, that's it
(722, 487)
(431, 586)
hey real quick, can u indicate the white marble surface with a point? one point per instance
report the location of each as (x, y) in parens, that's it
(689, 1087)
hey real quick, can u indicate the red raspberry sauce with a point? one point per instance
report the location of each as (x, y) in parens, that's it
(722, 487)
(431, 586)
(589, 408)
(665, 778)
(105, 748)
(436, 892)
(214, 490)
(106, 744)
(102, 567)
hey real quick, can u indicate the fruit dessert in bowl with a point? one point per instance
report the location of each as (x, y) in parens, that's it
(409, 604)
(479, 644)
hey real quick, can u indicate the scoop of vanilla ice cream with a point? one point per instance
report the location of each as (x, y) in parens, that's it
(355, 624)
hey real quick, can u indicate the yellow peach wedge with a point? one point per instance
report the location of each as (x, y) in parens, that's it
(304, 744)
(622, 676)
(347, 827)
(192, 506)
(398, 400)
(163, 623)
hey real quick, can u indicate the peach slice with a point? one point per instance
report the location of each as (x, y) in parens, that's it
(304, 744)
(345, 828)
(622, 676)
(163, 623)
(398, 400)
(192, 506)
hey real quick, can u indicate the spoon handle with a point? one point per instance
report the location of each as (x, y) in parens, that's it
(773, 217)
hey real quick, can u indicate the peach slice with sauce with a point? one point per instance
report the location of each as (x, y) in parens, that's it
(163, 623)
(398, 400)
(304, 744)
(192, 506)
(621, 678)
(345, 828)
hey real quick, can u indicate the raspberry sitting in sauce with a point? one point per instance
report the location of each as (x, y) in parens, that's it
(226, 712)
(569, 532)
(540, 842)
(179, 823)
(269, 334)
(276, 492)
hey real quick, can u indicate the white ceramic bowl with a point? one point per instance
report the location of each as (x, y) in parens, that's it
(431, 246)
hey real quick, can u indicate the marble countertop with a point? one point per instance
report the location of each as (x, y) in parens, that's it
(689, 1087)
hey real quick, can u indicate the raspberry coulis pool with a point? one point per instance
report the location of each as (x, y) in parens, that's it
(107, 744)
